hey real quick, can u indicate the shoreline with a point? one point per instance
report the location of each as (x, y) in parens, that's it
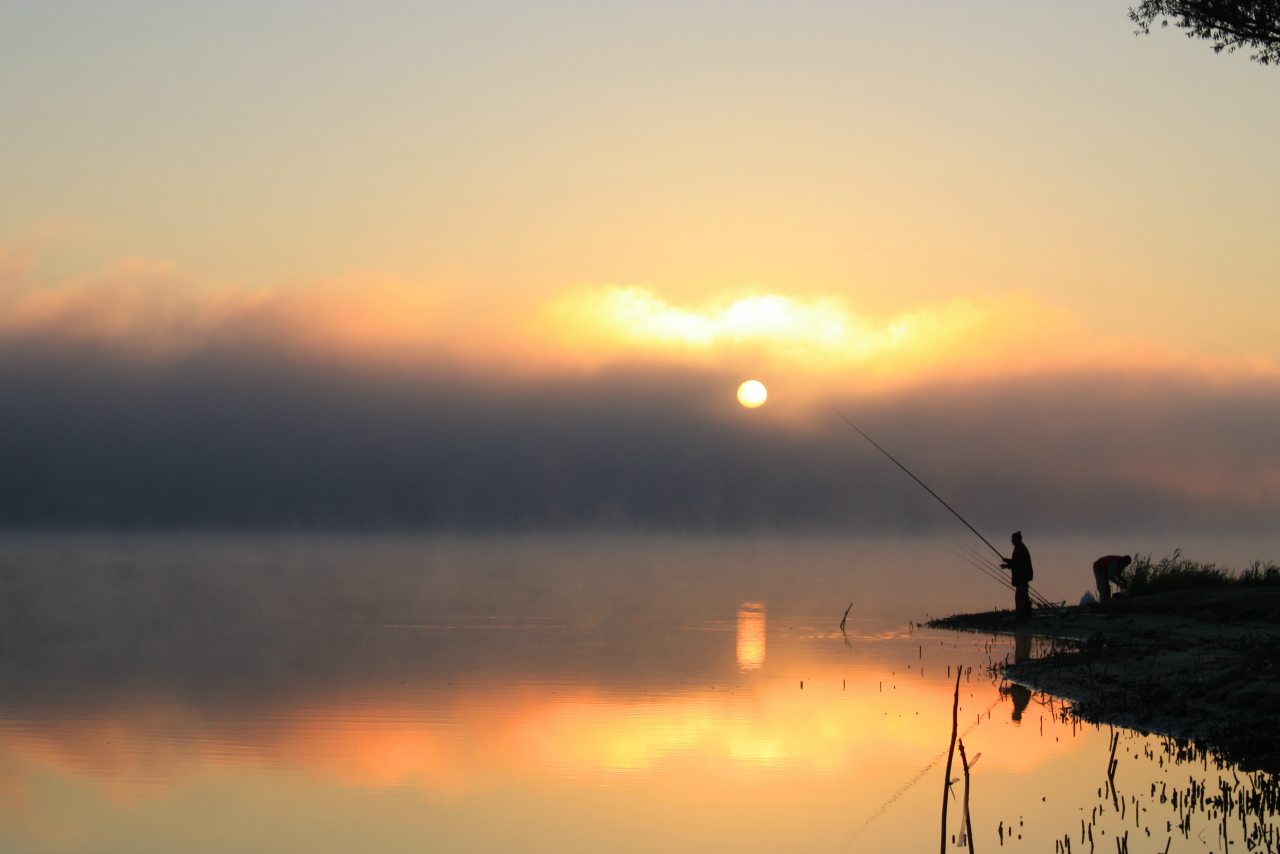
(1201, 665)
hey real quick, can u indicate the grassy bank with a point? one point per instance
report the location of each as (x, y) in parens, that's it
(1189, 649)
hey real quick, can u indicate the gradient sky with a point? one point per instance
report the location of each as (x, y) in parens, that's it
(1013, 227)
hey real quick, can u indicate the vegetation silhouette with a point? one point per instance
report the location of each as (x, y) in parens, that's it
(1229, 24)
(1176, 572)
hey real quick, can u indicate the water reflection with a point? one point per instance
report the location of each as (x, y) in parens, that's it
(1021, 646)
(404, 708)
(751, 636)
(1019, 695)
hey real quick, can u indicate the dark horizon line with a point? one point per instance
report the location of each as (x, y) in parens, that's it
(628, 528)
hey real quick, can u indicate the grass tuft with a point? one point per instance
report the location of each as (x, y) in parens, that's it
(1175, 572)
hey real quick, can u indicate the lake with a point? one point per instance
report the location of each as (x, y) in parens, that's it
(210, 693)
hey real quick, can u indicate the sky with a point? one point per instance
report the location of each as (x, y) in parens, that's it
(503, 265)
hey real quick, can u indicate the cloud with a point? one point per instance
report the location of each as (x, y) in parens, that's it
(815, 342)
(152, 311)
(226, 438)
(137, 397)
(816, 335)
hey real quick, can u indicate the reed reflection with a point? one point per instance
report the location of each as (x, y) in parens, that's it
(751, 636)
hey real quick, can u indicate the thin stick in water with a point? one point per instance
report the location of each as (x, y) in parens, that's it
(968, 823)
(951, 753)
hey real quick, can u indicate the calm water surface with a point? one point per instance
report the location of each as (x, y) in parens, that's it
(555, 694)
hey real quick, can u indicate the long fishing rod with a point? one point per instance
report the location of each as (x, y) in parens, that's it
(926, 488)
(976, 532)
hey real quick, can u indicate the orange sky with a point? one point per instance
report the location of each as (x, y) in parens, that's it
(857, 202)
(808, 343)
(885, 190)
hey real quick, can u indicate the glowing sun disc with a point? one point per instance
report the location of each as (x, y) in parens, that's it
(752, 393)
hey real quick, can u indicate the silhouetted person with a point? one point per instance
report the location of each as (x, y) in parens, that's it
(1108, 569)
(1020, 565)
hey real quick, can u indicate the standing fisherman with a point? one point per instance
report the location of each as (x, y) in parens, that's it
(1020, 564)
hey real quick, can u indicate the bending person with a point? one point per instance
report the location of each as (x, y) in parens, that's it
(1108, 569)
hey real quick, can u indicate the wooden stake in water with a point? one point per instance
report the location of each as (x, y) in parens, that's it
(968, 824)
(951, 754)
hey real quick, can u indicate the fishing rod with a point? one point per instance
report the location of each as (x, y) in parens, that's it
(1041, 600)
(983, 566)
(894, 459)
(979, 559)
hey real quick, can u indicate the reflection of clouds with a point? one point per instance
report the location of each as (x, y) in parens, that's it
(134, 667)
(456, 742)
(136, 398)
(751, 636)
(471, 737)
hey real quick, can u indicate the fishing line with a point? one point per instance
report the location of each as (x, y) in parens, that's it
(982, 561)
(905, 787)
(1035, 594)
(981, 567)
(985, 567)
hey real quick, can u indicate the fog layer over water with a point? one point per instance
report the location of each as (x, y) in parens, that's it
(238, 437)
(278, 693)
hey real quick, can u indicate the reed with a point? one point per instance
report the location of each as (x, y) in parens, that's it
(1175, 572)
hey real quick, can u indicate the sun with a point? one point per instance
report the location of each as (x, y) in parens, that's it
(752, 394)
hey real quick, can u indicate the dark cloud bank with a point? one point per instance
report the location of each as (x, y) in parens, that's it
(255, 439)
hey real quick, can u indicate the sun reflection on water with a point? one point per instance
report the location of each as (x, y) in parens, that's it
(751, 636)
